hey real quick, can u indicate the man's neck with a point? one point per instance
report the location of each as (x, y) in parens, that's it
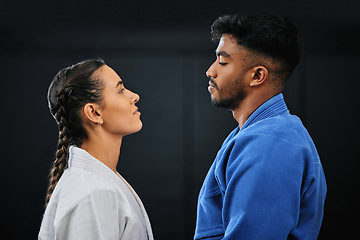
(248, 105)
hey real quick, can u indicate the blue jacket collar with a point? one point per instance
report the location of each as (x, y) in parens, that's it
(273, 107)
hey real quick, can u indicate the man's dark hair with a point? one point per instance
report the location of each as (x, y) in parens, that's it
(271, 35)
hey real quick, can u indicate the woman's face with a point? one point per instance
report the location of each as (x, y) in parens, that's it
(119, 113)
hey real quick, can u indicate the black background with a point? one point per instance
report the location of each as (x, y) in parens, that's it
(161, 49)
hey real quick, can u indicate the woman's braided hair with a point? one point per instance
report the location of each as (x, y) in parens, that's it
(71, 89)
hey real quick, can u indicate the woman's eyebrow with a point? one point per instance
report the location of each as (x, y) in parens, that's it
(119, 83)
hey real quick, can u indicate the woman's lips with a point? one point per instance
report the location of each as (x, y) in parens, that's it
(137, 111)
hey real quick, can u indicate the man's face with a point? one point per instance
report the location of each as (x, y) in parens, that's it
(227, 74)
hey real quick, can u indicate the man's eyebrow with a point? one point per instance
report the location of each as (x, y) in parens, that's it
(119, 83)
(222, 53)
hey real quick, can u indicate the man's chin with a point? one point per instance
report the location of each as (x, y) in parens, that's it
(216, 102)
(223, 103)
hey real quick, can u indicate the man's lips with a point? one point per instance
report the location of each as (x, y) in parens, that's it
(212, 86)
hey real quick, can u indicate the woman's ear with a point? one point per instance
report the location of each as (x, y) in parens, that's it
(259, 75)
(92, 112)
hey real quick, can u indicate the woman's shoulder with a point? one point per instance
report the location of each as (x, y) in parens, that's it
(77, 185)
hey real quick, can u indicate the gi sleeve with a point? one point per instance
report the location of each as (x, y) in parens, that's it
(93, 217)
(261, 186)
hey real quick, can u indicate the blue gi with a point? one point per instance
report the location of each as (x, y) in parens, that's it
(266, 182)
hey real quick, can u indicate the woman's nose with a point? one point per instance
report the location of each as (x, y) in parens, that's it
(134, 97)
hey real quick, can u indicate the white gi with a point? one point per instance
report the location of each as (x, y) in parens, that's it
(91, 201)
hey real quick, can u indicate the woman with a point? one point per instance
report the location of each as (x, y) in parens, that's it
(87, 198)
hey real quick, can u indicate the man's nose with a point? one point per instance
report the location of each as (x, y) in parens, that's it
(211, 72)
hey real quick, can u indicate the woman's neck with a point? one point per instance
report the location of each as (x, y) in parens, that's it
(104, 148)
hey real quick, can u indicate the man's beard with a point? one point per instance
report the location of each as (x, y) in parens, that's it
(232, 102)
(229, 103)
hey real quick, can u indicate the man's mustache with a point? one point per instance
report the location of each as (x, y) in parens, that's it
(214, 83)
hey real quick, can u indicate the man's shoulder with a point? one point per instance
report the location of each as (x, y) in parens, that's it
(280, 127)
(285, 131)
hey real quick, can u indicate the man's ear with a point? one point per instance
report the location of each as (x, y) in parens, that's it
(259, 75)
(92, 112)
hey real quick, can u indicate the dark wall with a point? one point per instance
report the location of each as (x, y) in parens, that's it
(161, 51)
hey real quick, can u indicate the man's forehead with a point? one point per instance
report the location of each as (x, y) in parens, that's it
(228, 46)
(228, 38)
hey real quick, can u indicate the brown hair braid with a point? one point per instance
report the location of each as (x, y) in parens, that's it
(60, 163)
(71, 89)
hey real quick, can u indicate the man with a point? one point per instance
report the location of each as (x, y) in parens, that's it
(267, 181)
